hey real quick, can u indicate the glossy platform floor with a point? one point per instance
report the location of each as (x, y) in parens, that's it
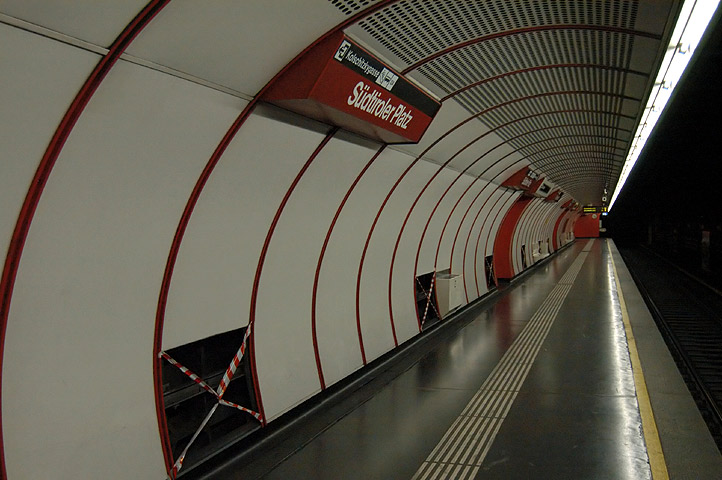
(536, 383)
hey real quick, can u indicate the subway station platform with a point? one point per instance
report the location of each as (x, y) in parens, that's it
(561, 374)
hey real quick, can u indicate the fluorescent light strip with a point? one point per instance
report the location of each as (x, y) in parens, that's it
(691, 25)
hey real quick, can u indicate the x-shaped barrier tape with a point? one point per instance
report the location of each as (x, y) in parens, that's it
(190, 374)
(179, 463)
(218, 393)
(231, 370)
(428, 298)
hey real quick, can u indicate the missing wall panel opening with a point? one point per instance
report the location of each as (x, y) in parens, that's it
(489, 272)
(187, 403)
(426, 305)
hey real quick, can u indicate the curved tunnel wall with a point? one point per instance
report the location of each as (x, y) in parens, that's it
(313, 234)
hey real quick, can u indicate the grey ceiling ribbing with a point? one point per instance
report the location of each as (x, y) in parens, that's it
(554, 78)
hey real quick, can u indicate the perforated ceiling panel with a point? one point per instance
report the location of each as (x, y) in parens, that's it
(350, 7)
(553, 78)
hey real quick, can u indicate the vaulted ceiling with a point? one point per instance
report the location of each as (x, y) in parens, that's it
(564, 83)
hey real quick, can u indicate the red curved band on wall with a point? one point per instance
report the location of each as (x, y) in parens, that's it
(451, 260)
(168, 274)
(318, 272)
(403, 174)
(376, 219)
(557, 224)
(555, 234)
(403, 226)
(423, 234)
(468, 237)
(262, 259)
(411, 209)
(57, 142)
(505, 208)
(183, 223)
(518, 31)
(446, 223)
(503, 266)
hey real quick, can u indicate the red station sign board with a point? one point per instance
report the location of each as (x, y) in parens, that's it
(524, 180)
(340, 83)
(570, 205)
(554, 196)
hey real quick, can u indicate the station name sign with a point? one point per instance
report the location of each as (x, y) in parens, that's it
(525, 180)
(554, 196)
(341, 83)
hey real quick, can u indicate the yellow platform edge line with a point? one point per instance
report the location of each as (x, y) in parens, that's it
(657, 463)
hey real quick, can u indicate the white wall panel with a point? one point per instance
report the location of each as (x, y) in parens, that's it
(516, 247)
(564, 226)
(211, 288)
(338, 341)
(533, 231)
(455, 224)
(542, 226)
(480, 154)
(504, 163)
(283, 321)
(375, 320)
(87, 287)
(422, 214)
(539, 229)
(240, 45)
(403, 284)
(522, 236)
(214, 273)
(536, 228)
(448, 117)
(468, 235)
(433, 234)
(548, 226)
(95, 21)
(39, 79)
(373, 293)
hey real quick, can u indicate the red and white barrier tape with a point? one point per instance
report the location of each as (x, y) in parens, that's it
(179, 463)
(190, 374)
(231, 370)
(428, 298)
(243, 409)
(218, 393)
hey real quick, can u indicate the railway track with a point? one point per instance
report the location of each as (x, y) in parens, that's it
(688, 314)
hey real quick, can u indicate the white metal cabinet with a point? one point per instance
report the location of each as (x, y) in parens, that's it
(448, 292)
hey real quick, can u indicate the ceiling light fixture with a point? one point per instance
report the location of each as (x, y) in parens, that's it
(691, 25)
